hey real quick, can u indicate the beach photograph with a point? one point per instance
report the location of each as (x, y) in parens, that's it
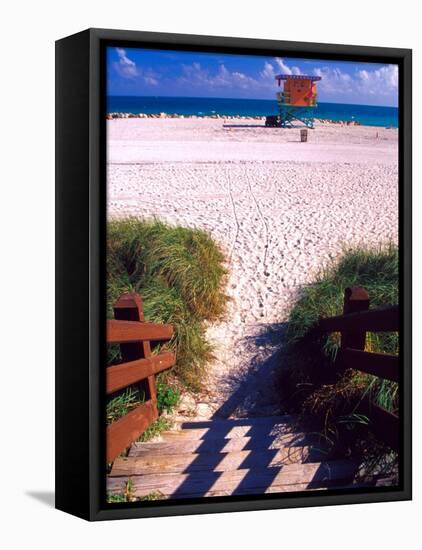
(252, 275)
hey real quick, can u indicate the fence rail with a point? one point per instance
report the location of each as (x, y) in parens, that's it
(383, 319)
(356, 321)
(125, 332)
(129, 329)
(378, 364)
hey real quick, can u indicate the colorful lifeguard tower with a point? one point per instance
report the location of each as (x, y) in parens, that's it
(297, 101)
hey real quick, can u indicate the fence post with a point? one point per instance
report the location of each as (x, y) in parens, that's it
(129, 308)
(355, 299)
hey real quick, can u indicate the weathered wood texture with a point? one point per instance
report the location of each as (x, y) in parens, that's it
(214, 462)
(258, 480)
(273, 422)
(220, 461)
(211, 429)
(221, 445)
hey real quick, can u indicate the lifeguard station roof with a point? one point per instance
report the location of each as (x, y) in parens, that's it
(297, 77)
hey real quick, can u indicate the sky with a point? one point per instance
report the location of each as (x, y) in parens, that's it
(142, 72)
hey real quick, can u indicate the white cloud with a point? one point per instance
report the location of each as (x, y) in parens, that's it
(381, 83)
(195, 75)
(150, 80)
(285, 69)
(267, 71)
(385, 78)
(372, 85)
(125, 66)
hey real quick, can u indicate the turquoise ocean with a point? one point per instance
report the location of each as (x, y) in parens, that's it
(366, 115)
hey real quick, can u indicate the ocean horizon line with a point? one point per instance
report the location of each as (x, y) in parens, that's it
(366, 115)
(211, 98)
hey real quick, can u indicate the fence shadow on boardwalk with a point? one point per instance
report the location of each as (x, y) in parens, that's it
(253, 474)
(216, 465)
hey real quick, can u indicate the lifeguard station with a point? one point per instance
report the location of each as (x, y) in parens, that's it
(297, 101)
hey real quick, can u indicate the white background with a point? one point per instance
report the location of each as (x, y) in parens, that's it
(28, 32)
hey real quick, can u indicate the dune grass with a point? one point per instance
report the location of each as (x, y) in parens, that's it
(309, 381)
(181, 277)
(123, 402)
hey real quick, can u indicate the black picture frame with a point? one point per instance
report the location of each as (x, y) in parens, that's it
(80, 271)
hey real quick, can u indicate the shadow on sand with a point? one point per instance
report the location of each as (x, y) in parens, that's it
(254, 399)
(244, 126)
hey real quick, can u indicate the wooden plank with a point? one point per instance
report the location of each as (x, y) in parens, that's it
(374, 320)
(316, 486)
(120, 376)
(221, 445)
(207, 434)
(229, 433)
(236, 482)
(117, 485)
(254, 421)
(121, 433)
(119, 332)
(379, 364)
(214, 462)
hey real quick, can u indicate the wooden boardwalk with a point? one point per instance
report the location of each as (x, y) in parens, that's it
(221, 457)
(230, 457)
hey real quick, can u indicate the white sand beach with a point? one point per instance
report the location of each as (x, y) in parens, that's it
(281, 209)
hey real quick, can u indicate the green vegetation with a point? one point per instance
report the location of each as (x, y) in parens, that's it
(180, 274)
(181, 277)
(309, 380)
(160, 425)
(126, 400)
(128, 496)
(123, 402)
(167, 397)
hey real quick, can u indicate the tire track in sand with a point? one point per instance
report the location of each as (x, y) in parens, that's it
(260, 295)
(236, 219)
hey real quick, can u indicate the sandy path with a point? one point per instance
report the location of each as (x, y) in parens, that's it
(279, 220)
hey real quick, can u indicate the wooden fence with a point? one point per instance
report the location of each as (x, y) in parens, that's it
(128, 328)
(356, 321)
